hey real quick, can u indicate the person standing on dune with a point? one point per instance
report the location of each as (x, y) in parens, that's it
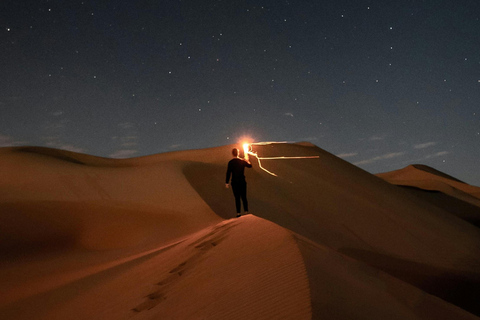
(235, 169)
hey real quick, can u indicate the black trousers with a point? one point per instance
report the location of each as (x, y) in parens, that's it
(240, 192)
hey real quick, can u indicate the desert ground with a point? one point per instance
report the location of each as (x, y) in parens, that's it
(155, 237)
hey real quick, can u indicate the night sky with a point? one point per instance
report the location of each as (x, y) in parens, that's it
(382, 84)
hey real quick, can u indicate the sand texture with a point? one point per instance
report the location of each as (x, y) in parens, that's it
(83, 237)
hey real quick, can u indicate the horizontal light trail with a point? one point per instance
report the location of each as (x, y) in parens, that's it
(267, 143)
(247, 147)
(287, 158)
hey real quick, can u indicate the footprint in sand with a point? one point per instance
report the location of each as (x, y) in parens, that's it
(202, 246)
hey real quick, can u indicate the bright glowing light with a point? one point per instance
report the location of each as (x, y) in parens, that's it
(287, 158)
(248, 149)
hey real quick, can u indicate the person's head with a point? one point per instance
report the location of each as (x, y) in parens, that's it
(235, 152)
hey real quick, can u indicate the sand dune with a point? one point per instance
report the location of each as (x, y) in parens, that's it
(84, 237)
(441, 190)
(427, 178)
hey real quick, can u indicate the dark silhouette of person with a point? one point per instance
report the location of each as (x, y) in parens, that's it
(236, 168)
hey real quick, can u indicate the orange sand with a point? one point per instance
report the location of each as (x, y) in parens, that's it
(83, 237)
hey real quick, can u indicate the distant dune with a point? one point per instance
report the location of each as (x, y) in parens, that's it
(441, 190)
(83, 237)
(427, 178)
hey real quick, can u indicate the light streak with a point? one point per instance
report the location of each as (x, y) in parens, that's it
(286, 158)
(248, 150)
(260, 163)
(267, 143)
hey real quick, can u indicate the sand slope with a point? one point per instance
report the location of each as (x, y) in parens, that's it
(441, 190)
(237, 269)
(427, 178)
(84, 237)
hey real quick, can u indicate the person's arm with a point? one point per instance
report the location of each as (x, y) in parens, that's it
(248, 164)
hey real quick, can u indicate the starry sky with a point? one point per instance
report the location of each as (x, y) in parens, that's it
(381, 84)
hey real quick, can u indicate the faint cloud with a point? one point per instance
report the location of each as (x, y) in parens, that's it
(122, 154)
(418, 160)
(7, 141)
(382, 157)
(175, 146)
(438, 154)
(54, 132)
(424, 145)
(129, 140)
(288, 114)
(55, 126)
(70, 147)
(376, 138)
(57, 113)
(347, 155)
(56, 143)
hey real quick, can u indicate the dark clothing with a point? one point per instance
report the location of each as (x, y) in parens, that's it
(240, 192)
(236, 168)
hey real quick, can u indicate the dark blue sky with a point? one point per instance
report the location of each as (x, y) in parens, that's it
(382, 84)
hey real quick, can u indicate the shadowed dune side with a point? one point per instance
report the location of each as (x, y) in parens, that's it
(31, 227)
(462, 209)
(210, 185)
(343, 287)
(459, 288)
